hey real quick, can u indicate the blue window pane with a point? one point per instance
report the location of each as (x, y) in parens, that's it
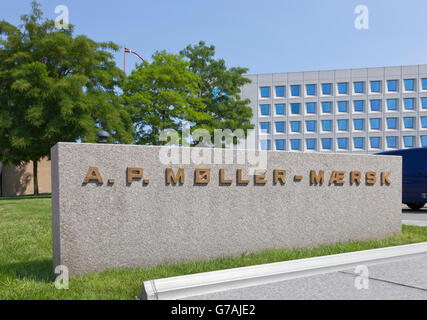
(358, 143)
(295, 108)
(375, 105)
(392, 85)
(392, 123)
(311, 126)
(265, 92)
(326, 125)
(280, 127)
(409, 84)
(424, 103)
(343, 88)
(409, 103)
(375, 86)
(342, 125)
(342, 106)
(295, 126)
(423, 122)
(424, 141)
(424, 83)
(375, 142)
(327, 89)
(296, 144)
(391, 142)
(311, 107)
(359, 105)
(311, 89)
(408, 141)
(265, 127)
(280, 144)
(359, 87)
(280, 91)
(280, 109)
(342, 143)
(327, 107)
(265, 144)
(409, 123)
(295, 90)
(326, 143)
(392, 104)
(375, 124)
(359, 124)
(311, 144)
(265, 110)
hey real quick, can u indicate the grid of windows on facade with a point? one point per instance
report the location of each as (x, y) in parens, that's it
(395, 118)
(344, 88)
(346, 143)
(342, 106)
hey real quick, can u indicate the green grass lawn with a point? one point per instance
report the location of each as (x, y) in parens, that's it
(26, 258)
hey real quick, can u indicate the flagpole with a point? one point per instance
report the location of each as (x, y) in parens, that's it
(124, 65)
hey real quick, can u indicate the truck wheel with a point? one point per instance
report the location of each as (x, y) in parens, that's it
(416, 206)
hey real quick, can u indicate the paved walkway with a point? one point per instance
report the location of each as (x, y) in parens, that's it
(414, 218)
(405, 279)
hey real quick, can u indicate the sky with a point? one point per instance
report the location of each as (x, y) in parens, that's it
(264, 36)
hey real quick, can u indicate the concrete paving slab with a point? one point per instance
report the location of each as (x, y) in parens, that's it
(408, 272)
(405, 279)
(417, 223)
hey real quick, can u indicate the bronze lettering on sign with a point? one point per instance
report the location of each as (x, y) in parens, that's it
(134, 174)
(279, 175)
(222, 179)
(337, 177)
(371, 177)
(259, 177)
(317, 179)
(385, 178)
(172, 178)
(202, 176)
(93, 175)
(240, 180)
(355, 177)
(297, 178)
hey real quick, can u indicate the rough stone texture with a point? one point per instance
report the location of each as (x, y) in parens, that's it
(101, 226)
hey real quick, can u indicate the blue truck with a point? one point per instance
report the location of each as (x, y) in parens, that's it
(414, 176)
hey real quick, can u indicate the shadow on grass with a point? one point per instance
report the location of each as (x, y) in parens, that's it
(42, 196)
(38, 270)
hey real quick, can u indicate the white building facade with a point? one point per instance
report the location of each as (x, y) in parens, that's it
(351, 111)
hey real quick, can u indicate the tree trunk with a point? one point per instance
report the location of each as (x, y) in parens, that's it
(35, 178)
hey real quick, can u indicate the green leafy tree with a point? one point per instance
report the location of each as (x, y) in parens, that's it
(55, 87)
(162, 95)
(220, 88)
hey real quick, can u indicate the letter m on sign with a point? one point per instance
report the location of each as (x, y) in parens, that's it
(172, 178)
(317, 179)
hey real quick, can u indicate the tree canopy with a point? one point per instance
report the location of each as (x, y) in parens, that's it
(162, 95)
(55, 87)
(220, 88)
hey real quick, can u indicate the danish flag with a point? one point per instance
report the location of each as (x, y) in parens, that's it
(127, 50)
